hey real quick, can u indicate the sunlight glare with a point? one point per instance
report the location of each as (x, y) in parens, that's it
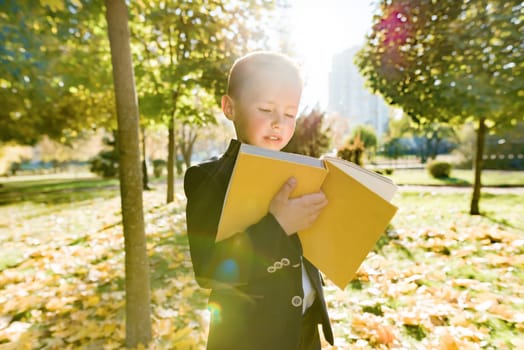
(321, 29)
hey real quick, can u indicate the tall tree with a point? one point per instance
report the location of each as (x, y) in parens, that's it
(368, 136)
(186, 46)
(450, 61)
(54, 70)
(180, 47)
(427, 137)
(138, 313)
(22, 65)
(195, 112)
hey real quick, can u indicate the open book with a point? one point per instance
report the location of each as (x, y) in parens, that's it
(357, 213)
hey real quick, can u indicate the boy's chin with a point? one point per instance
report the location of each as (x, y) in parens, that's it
(267, 143)
(272, 145)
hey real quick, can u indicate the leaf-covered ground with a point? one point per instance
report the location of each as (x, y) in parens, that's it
(440, 279)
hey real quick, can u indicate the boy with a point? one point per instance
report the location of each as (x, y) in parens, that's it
(265, 295)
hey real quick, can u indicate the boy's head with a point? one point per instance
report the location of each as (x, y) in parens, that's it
(262, 100)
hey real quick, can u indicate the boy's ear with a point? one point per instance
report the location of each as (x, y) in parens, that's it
(227, 107)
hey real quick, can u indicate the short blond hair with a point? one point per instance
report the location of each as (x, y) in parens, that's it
(247, 68)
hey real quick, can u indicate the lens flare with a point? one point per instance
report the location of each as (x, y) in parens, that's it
(228, 270)
(216, 311)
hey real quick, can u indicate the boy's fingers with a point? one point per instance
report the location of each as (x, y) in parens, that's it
(313, 207)
(287, 188)
(315, 198)
(321, 203)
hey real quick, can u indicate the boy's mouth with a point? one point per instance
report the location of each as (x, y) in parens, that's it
(273, 138)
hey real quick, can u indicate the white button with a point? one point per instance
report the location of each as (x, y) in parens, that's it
(285, 261)
(277, 264)
(296, 301)
(271, 269)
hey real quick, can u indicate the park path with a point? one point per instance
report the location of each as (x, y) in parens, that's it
(461, 189)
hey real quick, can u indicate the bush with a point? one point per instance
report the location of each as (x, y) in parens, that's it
(105, 164)
(311, 138)
(14, 168)
(352, 151)
(439, 170)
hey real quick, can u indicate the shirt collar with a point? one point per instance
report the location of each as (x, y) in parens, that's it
(232, 150)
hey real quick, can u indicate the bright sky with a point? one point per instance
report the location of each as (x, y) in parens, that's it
(323, 28)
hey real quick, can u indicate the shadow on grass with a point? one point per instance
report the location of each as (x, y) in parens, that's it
(11, 258)
(60, 196)
(454, 181)
(499, 221)
(164, 266)
(503, 213)
(48, 185)
(390, 236)
(53, 191)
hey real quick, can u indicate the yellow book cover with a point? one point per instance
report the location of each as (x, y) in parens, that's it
(352, 222)
(257, 176)
(357, 213)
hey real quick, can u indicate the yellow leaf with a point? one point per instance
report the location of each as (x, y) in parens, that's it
(108, 329)
(163, 327)
(159, 296)
(181, 334)
(54, 5)
(385, 334)
(188, 291)
(79, 315)
(186, 344)
(459, 319)
(92, 300)
(503, 312)
(413, 318)
(448, 342)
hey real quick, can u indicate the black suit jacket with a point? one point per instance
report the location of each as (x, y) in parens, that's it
(255, 276)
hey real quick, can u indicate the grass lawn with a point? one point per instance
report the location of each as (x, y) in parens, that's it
(460, 177)
(439, 278)
(53, 188)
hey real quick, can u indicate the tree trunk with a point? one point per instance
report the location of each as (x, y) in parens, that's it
(436, 145)
(188, 138)
(188, 153)
(145, 177)
(171, 160)
(138, 313)
(171, 151)
(481, 135)
(426, 150)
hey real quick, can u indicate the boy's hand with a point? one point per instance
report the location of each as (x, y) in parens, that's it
(296, 214)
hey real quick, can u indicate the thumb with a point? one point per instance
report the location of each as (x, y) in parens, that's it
(287, 188)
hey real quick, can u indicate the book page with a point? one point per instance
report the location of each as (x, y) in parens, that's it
(379, 184)
(279, 155)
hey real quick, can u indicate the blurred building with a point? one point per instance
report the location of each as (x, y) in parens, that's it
(349, 98)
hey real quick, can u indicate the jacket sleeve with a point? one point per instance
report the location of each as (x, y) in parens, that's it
(241, 259)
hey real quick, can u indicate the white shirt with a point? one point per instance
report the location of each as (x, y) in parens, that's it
(309, 291)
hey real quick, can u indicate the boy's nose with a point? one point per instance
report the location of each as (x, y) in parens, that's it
(277, 118)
